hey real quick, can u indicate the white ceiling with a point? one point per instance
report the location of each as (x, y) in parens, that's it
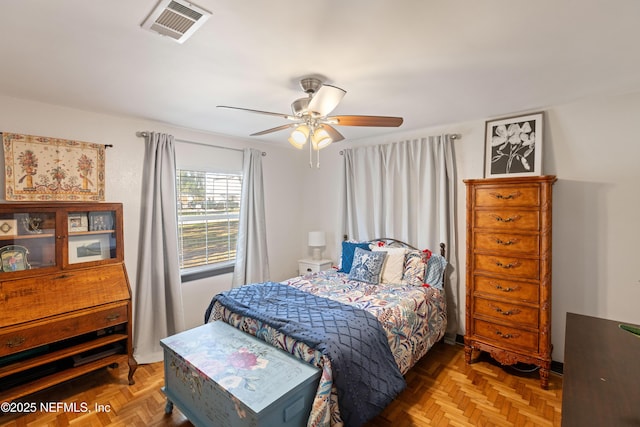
(432, 62)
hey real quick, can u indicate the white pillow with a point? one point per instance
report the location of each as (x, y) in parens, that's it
(393, 266)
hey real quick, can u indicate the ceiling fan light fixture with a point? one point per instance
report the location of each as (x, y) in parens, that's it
(311, 118)
(320, 139)
(299, 136)
(299, 106)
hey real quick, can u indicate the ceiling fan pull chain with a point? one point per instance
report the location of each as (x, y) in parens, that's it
(318, 159)
(310, 150)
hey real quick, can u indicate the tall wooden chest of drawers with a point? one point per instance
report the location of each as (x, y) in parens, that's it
(508, 281)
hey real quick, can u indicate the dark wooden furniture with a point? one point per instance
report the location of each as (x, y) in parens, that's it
(65, 300)
(601, 384)
(508, 281)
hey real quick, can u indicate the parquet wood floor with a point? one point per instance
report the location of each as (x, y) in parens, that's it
(442, 391)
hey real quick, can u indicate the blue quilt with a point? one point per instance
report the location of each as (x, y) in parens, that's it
(366, 375)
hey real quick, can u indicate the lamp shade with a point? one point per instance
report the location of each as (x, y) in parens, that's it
(299, 136)
(320, 139)
(317, 238)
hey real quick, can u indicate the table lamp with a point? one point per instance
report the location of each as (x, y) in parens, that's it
(316, 243)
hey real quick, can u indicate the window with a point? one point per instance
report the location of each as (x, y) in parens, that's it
(208, 216)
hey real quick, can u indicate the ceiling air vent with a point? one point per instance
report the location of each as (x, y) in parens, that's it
(176, 19)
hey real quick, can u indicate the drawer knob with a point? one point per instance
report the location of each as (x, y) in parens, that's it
(507, 289)
(511, 196)
(15, 342)
(509, 265)
(112, 317)
(506, 243)
(505, 313)
(508, 219)
(506, 336)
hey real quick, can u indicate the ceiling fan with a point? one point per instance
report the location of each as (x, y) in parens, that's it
(310, 116)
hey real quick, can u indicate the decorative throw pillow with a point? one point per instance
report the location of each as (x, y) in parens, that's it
(367, 266)
(434, 271)
(348, 249)
(414, 268)
(393, 267)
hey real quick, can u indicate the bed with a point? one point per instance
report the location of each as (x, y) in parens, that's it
(398, 286)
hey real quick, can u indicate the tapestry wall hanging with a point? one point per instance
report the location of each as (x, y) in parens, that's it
(52, 169)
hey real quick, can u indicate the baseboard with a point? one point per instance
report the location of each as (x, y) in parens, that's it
(556, 367)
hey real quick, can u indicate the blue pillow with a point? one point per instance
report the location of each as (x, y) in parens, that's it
(367, 266)
(435, 270)
(348, 249)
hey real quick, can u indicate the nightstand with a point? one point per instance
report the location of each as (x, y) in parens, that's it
(308, 266)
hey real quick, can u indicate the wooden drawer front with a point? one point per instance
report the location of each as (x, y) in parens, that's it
(26, 299)
(15, 339)
(515, 267)
(508, 196)
(507, 243)
(507, 220)
(506, 336)
(517, 291)
(507, 312)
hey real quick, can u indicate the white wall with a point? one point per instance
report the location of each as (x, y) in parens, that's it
(281, 168)
(593, 147)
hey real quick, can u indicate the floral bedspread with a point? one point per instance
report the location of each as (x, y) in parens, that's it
(413, 317)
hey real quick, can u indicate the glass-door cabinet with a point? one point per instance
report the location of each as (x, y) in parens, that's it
(54, 235)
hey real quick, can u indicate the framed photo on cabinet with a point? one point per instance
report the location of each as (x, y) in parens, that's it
(78, 222)
(89, 248)
(14, 258)
(513, 146)
(100, 221)
(8, 227)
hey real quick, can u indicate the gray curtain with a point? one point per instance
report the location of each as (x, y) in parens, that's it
(252, 261)
(405, 190)
(158, 297)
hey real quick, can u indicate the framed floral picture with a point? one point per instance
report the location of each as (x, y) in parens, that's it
(513, 146)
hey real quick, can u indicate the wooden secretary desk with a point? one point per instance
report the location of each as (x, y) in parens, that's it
(65, 300)
(508, 289)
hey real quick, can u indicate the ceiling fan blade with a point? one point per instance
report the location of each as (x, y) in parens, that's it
(276, 129)
(268, 113)
(326, 99)
(376, 121)
(333, 133)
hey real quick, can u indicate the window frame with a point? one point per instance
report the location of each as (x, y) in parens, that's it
(205, 270)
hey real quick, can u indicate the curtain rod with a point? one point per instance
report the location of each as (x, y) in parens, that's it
(452, 136)
(145, 134)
